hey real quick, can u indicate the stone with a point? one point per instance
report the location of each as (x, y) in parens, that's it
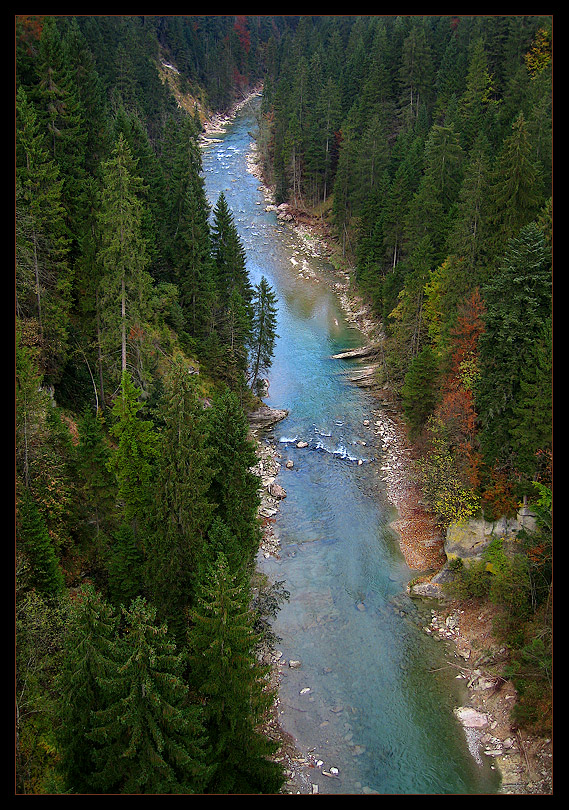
(265, 416)
(302, 444)
(470, 718)
(277, 491)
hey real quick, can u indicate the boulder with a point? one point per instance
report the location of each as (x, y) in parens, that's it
(470, 718)
(277, 491)
(265, 417)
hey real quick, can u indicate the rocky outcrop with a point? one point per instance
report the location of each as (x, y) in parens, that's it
(469, 541)
(265, 417)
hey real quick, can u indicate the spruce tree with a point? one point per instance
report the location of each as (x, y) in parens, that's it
(89, 658)
(149, 732)
(132, 461)
(125, 561)
(419, 391)
(96, 482)
(234, 487)
(263, 331)
(230, 681)
(182, 505)
(43, 276)
(124, 301)
(33, 538)
(518, 302)
(233, 295)
(516, 186)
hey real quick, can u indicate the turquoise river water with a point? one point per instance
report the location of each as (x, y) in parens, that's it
(372, 697)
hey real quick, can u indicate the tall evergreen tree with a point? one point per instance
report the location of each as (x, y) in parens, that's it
(518, 301)
(132, 461)
(32, 537)
(263, 331)
(516, 190)
(89, 658)
(149, 732)
(234, 487)
(125, 284)
(44, 276)
(227, 676)
(182, 505)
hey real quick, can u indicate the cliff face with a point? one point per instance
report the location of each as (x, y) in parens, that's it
(469, 541)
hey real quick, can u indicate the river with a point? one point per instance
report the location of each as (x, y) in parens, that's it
(372, 699)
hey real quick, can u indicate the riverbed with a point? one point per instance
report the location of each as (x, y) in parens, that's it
(367, 700)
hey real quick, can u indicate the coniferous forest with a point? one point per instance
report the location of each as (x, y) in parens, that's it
(425, 144)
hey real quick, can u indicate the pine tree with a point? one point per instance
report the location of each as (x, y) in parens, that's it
(125, 284)
(234, 487)
(125, 566)
(96, 482)
(187, 231)
(62, 117)
(132, 462)
(43, 277)
(149, 733)
(533, 410)
(419, 390)
(89, 658)
(227, 676)
(182, 506)
(518, 301)
(263, 331)
(34, 540)
(468, 238)
(233, 294)
(477, 105)
(516, 190)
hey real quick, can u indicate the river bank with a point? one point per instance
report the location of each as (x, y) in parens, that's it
(524, 761)
(465, 630)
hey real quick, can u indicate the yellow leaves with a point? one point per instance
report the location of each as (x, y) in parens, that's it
(539, 55)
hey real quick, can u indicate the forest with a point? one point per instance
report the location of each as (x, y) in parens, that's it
(425, 144)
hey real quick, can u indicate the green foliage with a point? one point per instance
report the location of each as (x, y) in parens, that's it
(148, 733)
(225, 673)
(419, 392)
(234, 488)
(39, 624)
(263, 331)
(89, 658)
(182, 506)
(451, 500)
(137, 445)
(34, 540)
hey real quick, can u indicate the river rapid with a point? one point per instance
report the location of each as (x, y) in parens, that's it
(372, 700)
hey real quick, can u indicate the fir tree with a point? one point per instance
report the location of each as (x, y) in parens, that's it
(518, 301)
(182, 506)
(89, 658)
(43, 277)
(133, 459)
(125, 566)
(419, 392)
(225, 673)
(263, 331)
(149, 733)
(234, 487)
(34, 540)
(125, 284)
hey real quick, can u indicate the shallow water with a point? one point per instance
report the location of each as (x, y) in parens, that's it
(372, 697)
